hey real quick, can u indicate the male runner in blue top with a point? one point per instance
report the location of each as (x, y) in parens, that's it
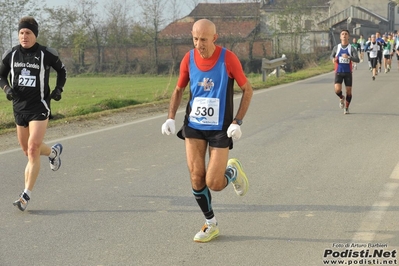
(209, 121)
(342, 56)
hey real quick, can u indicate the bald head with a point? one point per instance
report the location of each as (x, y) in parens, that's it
(204, 37)
(204, 25)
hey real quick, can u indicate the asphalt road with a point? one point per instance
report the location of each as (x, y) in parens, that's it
(320, 181)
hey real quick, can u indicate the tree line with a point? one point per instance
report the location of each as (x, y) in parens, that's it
(90, 32)
(84, 24)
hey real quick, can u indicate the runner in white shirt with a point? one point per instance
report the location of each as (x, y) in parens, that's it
(373, 47)
(368, 53)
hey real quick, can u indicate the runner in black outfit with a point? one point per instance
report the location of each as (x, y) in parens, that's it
(24, 77)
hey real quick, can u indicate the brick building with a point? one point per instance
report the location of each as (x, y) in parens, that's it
(237, 24)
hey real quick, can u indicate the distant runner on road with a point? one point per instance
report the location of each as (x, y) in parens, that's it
(342, 56)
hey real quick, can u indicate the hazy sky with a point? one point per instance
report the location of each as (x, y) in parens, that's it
(185, 7)
(185, 10)
(135, 12)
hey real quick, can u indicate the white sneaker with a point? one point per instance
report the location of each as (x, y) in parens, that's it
(55, 163)
(346, 111)
(22, 202)
(240, 183)
(342, 103)
(208, 232)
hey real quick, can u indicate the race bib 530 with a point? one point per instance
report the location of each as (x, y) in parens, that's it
(205, 111)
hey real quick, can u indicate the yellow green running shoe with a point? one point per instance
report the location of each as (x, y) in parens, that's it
(240, 183)
(207, 233)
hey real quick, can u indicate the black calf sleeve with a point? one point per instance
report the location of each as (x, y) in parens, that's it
(204, 200)
(348, 98)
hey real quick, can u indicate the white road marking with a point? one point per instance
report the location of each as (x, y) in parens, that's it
(98, 131)
(369, 226)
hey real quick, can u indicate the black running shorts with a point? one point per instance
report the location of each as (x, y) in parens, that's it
(343, 77)
(373, 62)
(24, 119)
(215, 138)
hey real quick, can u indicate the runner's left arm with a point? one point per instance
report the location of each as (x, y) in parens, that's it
(59, 67)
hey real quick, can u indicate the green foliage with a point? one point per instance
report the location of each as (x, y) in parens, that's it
(295, 62)
(90, 94)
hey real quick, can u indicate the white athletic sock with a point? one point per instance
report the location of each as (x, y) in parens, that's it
(27, 192)
(211, 221)
(53, 153)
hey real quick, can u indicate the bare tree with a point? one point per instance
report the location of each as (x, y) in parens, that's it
(90, 30)
(117, 34)
(58, 27)
(175, 11)
(153, 19)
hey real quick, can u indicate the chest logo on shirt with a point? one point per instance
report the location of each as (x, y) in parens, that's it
(207, 83)
(28, 65)
(25, 72)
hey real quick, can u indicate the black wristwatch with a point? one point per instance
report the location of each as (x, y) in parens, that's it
(239, 122)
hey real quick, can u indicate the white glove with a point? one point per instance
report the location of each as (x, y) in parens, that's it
(234, 131)
(168, 127)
